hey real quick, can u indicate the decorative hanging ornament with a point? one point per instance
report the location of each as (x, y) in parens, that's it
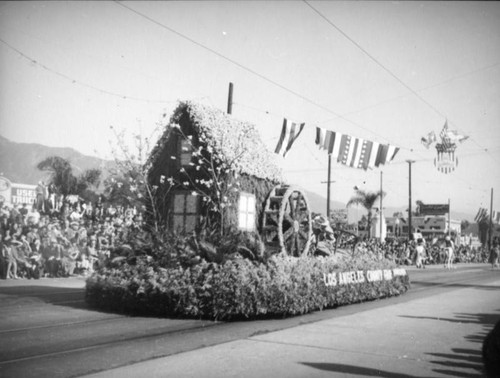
(445, 161)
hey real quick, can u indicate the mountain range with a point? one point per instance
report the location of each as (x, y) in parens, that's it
(18, 163)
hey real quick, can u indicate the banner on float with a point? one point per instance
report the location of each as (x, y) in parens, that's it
(360, 276)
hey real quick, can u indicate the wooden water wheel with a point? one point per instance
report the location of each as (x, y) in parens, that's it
(287, 224)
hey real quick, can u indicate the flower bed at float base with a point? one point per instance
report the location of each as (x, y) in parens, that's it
(241, 288)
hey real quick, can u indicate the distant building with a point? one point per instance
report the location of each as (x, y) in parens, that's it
(13, 193)
(429, 226)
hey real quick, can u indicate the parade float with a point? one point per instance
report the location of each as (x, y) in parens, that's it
(240, 240)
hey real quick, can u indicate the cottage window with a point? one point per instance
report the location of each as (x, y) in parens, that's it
(246, 212)
(185, 214)
(185, 152)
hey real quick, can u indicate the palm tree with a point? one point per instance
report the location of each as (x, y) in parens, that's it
(367, 200)
(63, 179)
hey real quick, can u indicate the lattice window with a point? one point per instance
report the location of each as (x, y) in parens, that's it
(246, 212)
(185, 152)
(185, 212)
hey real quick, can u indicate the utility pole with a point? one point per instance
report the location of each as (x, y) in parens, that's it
(381, 208)
(449, 218)
(328, 186)
(230, 99)
(410, 234)
(491, 220)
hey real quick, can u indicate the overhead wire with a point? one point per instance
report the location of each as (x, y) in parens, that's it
(81, 83)
(253, 72)
(388, 71)
(444, 82)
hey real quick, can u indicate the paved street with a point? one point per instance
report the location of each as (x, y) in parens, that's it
(435, 330)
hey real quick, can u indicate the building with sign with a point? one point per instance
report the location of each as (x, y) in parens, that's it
(429, 226)
(13, 193)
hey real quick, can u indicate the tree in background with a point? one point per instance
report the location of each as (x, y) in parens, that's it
(128, 183)
(63, 179)
(367, 200)
(464, 225)
(483, 227)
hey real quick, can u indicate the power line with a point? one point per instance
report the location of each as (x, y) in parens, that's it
(383, 66)
(75, 81)
(449, 80)
(253, 72)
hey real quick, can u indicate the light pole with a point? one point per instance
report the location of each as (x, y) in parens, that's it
(410, 235)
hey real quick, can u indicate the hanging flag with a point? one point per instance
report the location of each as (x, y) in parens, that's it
(454, 136)
(354, 152)
(392, 152)
(344, 149)
(429, 139)
(383, 149)
(320, 137)
(325, 139)
(481, 215)
(366, 152)
(289, 134)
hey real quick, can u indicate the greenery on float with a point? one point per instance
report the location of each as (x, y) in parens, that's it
(229, 286)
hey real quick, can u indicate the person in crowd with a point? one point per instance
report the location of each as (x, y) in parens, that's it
(91, 253)
(494, 253)
(15, 215)
(40, 190)
(33, 216)
(64, 212)
(71, 232)
(75, 214)
(11, 257)
(22, 252)
(24, 213)
(69, 257)
(16, 230)
(420, 254)
(82, 234)
(449, 249)
(52, 254)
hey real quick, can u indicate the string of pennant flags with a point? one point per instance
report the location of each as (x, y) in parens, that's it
(366, 154)
(347, 150)
(482, 214)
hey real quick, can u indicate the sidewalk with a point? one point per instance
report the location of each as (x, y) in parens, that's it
(437, 336)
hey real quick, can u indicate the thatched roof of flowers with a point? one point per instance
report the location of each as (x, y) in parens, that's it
(234, 142)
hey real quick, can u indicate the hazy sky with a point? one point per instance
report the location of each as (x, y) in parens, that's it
(390, 72)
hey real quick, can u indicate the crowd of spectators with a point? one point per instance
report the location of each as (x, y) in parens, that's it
(76, 237)
(73, 238)
(405, 253)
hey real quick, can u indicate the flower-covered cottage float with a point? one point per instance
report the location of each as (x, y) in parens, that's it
(213, 171)
(236, 239)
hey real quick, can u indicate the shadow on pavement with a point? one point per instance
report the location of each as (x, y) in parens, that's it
(356, 370)
(457, 285)
(487, 319)
(469, 360)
